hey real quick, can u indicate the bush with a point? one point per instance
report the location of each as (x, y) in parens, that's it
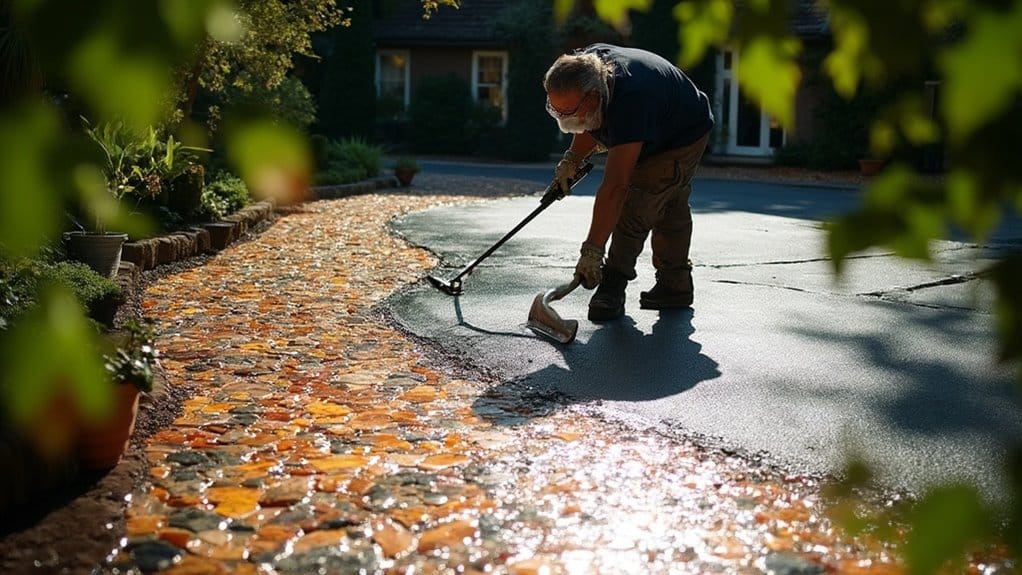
(355, 151)
(320, 144)
(333, 177)
(224, 195)
(439, 113)
(20, 282)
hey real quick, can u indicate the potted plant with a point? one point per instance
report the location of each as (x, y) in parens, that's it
(130, 367)
(405, 169)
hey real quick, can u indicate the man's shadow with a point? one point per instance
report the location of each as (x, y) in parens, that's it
(618, 362)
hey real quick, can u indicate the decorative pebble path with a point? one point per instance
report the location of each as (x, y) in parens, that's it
(321, 440)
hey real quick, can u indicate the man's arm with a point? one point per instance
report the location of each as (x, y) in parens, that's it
(610, 197)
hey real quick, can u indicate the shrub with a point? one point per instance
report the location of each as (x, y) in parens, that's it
(20, 282)
(439, 113)
(224, 195)
(355, 151)
(335, 176)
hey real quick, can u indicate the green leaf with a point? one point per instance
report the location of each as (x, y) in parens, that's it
(983, 73)
(29, 197)
(703, 23)
(770, 73)
(561, 10)
(616, 11)
(120, 83)
(944, 524)
(56, 328)
(850, 59)
(273, 159)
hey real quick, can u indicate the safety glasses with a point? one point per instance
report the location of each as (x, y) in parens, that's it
(559, 114)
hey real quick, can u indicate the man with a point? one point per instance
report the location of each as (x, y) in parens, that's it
(654, 123)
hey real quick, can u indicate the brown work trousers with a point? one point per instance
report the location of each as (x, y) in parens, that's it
(658, 201)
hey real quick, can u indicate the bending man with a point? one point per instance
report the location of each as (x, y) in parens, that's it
(654, 123)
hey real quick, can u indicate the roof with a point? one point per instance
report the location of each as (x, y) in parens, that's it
(401, 22)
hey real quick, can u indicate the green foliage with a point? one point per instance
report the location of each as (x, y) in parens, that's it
(222, 196)
(134, 356)
(289, 101)
(356, 151)
(407, 163)
(445, 119)
(335, 176)
(347, 100)
(255, 48)
(21, 283)
(527, 29)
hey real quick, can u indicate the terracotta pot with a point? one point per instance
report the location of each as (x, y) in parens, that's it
(101, 444)
(404, 176)
(870, 167)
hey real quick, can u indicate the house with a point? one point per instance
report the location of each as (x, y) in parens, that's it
(462, 42)
(453, 41)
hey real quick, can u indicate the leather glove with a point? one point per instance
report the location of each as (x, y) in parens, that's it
(590, 265)
(565, 171)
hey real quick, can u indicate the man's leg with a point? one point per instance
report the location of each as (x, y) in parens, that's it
(653, 183)
(672, 238)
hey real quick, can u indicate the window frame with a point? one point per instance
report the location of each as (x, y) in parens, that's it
(504, 58)
(380, 53)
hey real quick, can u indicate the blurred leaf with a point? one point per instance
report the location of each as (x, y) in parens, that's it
(273, 159)
(704, 23)
(945, 523)
(1006, 276)
(49, 352)
(186, 19)
(770, 73)
(29, 198)
(882, 138)
(616, 11)
(561, 9)
(119, 84)
(990, 56)
(223, 24)
(851, 58)
(967, 205)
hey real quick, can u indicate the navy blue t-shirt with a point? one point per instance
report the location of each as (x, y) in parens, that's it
(651, 101)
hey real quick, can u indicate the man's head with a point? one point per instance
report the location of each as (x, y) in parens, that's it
(577, 88)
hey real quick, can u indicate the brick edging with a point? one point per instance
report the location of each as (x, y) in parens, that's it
(346, 190)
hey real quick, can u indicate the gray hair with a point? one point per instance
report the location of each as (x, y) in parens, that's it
(582, 72)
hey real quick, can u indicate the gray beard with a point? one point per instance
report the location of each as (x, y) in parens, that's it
(575, 125)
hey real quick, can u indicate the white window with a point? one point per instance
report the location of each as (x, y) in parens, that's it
(392, 81)
(489, 79)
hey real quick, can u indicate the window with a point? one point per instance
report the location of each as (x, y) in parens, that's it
(489, 79)
(392, 72)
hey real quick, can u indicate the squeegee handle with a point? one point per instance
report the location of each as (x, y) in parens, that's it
(552, 194)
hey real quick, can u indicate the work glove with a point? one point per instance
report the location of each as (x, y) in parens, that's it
(590, 265)
(565, 172)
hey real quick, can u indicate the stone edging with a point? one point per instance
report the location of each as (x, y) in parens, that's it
(212, 237)
(345, 190)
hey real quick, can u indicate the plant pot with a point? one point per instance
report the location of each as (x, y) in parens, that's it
(870, 167)
(404, 176)
(101, 252)
(102, 443)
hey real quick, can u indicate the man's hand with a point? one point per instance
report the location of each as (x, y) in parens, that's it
(590, 265)
(565, 172)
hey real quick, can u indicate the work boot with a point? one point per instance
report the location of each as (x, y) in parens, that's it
(664, 297)
(609, 300)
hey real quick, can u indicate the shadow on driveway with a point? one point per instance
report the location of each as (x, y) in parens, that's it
(618, 362)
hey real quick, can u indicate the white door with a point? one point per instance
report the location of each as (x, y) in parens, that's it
(742, 128)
